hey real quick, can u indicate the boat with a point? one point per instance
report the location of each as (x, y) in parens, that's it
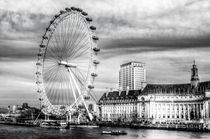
(106, 132)
(85, 126)
(18, 123)
(117, 132)
(53, 124)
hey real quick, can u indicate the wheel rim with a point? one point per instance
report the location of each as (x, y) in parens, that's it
(68, 39)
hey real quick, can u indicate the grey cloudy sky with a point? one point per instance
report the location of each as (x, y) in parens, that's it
(167, 35)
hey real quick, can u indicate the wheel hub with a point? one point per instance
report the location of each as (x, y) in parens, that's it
(66, 64)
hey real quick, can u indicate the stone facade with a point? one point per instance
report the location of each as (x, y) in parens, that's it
(160, 103)
(174, 103)
(115, 106)
(132, 75)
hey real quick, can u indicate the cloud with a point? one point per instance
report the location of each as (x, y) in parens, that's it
(116, 47)
(21, 26)
(145, 18)
(27, 50)
(167, 35)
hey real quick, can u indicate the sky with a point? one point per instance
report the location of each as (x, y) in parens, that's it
(167, 35)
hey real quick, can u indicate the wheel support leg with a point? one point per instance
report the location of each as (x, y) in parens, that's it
(79, 91)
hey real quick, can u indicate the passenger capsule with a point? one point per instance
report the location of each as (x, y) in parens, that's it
(80, 106)
(95, 38)
(39, 91)
(39, 54)
(89, 19)
(40, 99)
(67, 9)
(92, 28)
(78, 9)
(38, 73)
(96, 62)
(56, 16)
(84, 13)
(86, 97)
(38, 63)
(45, 37)
(96, 49)
(73, 8)
(90, 86)
(62, 107)
(48, 29)
(94, 74)
(38, 82)
(42, 46)
(62, 11)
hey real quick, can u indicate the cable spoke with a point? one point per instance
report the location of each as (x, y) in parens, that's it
(70, 42)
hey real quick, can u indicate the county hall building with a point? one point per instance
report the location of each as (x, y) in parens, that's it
(160, 103)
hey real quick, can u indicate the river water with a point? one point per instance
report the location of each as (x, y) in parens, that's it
(19, 132)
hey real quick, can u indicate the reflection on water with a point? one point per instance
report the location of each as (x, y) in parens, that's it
(18, 132)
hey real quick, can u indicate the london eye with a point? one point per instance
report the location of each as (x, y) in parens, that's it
(67, 62)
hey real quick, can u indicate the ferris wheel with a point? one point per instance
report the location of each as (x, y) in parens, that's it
(67, 62)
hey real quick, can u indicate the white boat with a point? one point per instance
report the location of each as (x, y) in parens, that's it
(118, 132)
(85, 125)
(53, 124)
(106, 132)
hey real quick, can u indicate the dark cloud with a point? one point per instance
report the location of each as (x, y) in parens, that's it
(186, 20)
(172, 43)
(193, 2)
(15, 52)
(20, 34)
(169, 33)
(19, 25)
(18, 74)
(113, 47)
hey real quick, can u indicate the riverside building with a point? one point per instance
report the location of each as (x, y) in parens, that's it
(132, 76)
(160, 103)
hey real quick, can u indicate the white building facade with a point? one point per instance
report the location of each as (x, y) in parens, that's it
(160, 103)
(174, 103)
(132, 76)
(119, 106)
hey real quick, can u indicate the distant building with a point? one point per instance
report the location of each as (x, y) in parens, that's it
(132, 76)
(3, 110)
(16, 109)
(119, 106)
(22, 111)
(160, 103)
(25, 105)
